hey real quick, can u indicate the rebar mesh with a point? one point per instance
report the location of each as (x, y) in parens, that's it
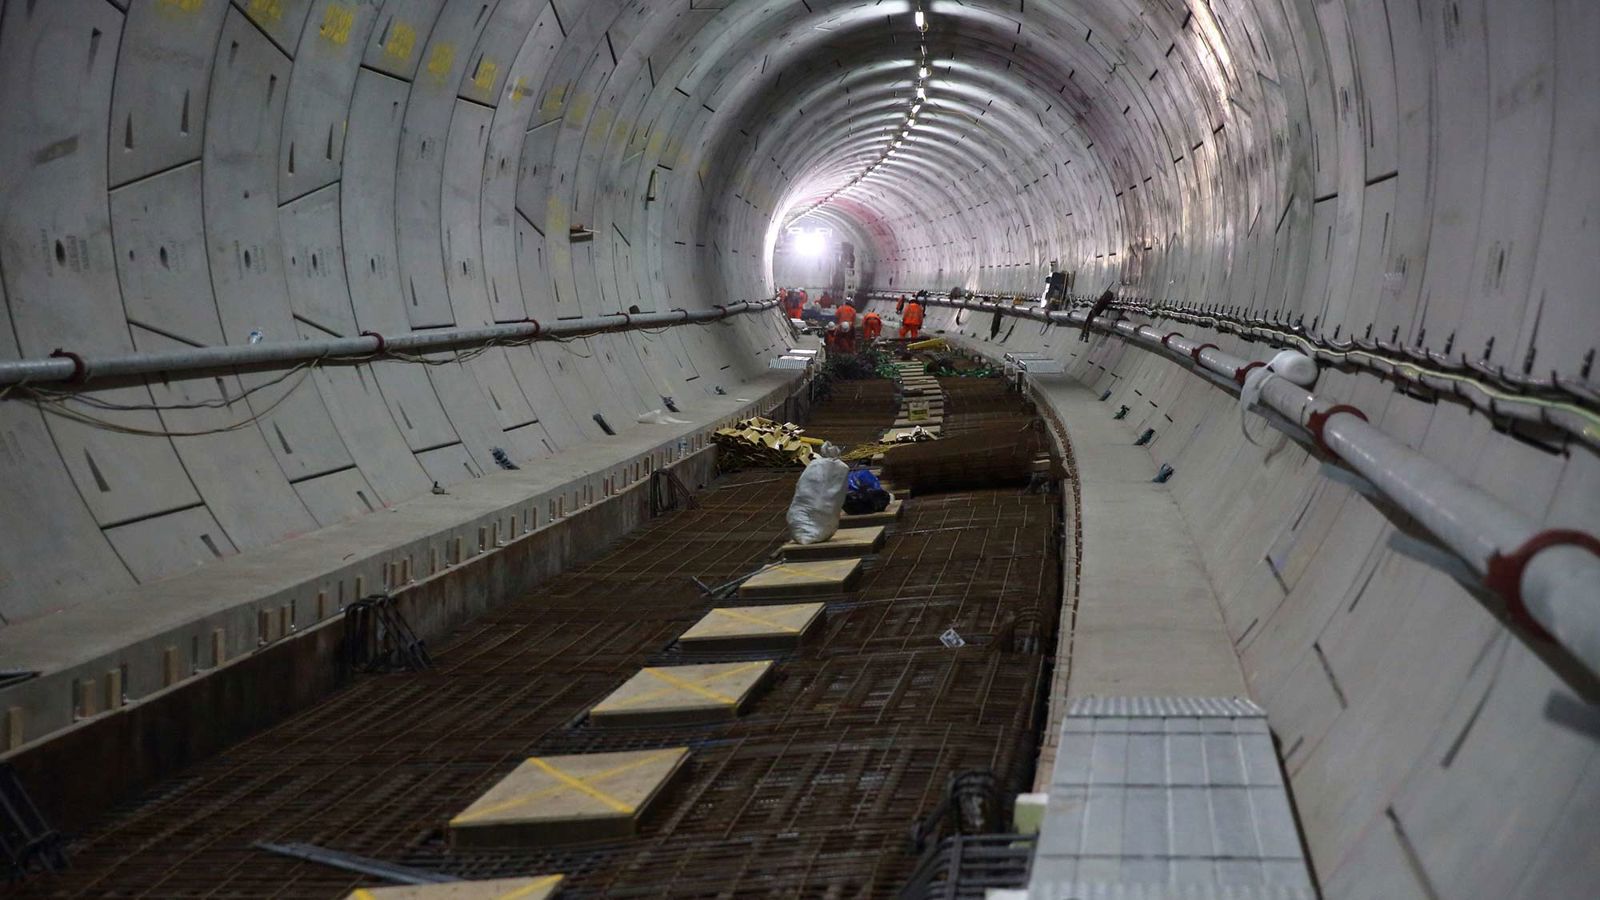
(811, 793)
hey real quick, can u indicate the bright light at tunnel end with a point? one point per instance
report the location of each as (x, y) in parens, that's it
(810, 243)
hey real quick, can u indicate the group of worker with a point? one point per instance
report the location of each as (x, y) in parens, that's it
(841, 334)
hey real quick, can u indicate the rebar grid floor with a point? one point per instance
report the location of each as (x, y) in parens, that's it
(811, 793)
(856, 412)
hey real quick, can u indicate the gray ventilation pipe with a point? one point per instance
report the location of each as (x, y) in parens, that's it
(1549, 579)
(65, 366)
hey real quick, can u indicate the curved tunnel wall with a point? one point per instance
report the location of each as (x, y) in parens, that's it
(189, 171)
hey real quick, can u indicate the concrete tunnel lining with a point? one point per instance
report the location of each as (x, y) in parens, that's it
(317, 168)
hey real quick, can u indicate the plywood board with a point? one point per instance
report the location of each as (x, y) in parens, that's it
(845, 542)
(803, 579)
(753, 627)
(559, 799)
(682, 694)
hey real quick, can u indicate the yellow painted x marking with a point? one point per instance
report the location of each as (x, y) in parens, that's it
(677, 684)
(529, 890)
(584, 785)
(754, 620)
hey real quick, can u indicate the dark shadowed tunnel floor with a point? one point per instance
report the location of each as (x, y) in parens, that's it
(812, 792)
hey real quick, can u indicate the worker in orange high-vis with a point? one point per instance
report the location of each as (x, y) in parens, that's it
(911, 321)
(846, 314)
(845, 340)
(871, 326)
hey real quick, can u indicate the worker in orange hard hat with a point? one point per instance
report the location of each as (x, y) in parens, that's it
(793, 303)
(871, 326)
(911, 321)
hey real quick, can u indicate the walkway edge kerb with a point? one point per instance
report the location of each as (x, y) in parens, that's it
(1559, 583)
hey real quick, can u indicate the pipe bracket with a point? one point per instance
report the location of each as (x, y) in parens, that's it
(1195, 353)
(1319, 420)
(1504, 575)
(1240, 373)
(80, 369)
(383, 345)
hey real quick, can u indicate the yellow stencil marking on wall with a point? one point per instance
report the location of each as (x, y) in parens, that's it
(440, 59)
(483, 78)
(580, 106)
(336, 23)
(402, 40)
(600, 123)
(555, 217)
(520, 90)
(266, 9)
(183, 6)
(554, 100)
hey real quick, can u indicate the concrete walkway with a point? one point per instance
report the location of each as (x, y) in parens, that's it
(1148, 621)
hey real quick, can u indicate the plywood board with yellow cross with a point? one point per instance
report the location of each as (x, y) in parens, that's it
(561, 799)
(682, 694)
(776, 627)
(538, 887)
(802, 579)
(845, 542)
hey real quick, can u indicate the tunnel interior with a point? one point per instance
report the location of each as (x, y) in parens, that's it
(183, 174)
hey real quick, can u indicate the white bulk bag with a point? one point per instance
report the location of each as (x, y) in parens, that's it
(819, 498)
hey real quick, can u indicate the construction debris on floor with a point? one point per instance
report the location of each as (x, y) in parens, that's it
(758, 442)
